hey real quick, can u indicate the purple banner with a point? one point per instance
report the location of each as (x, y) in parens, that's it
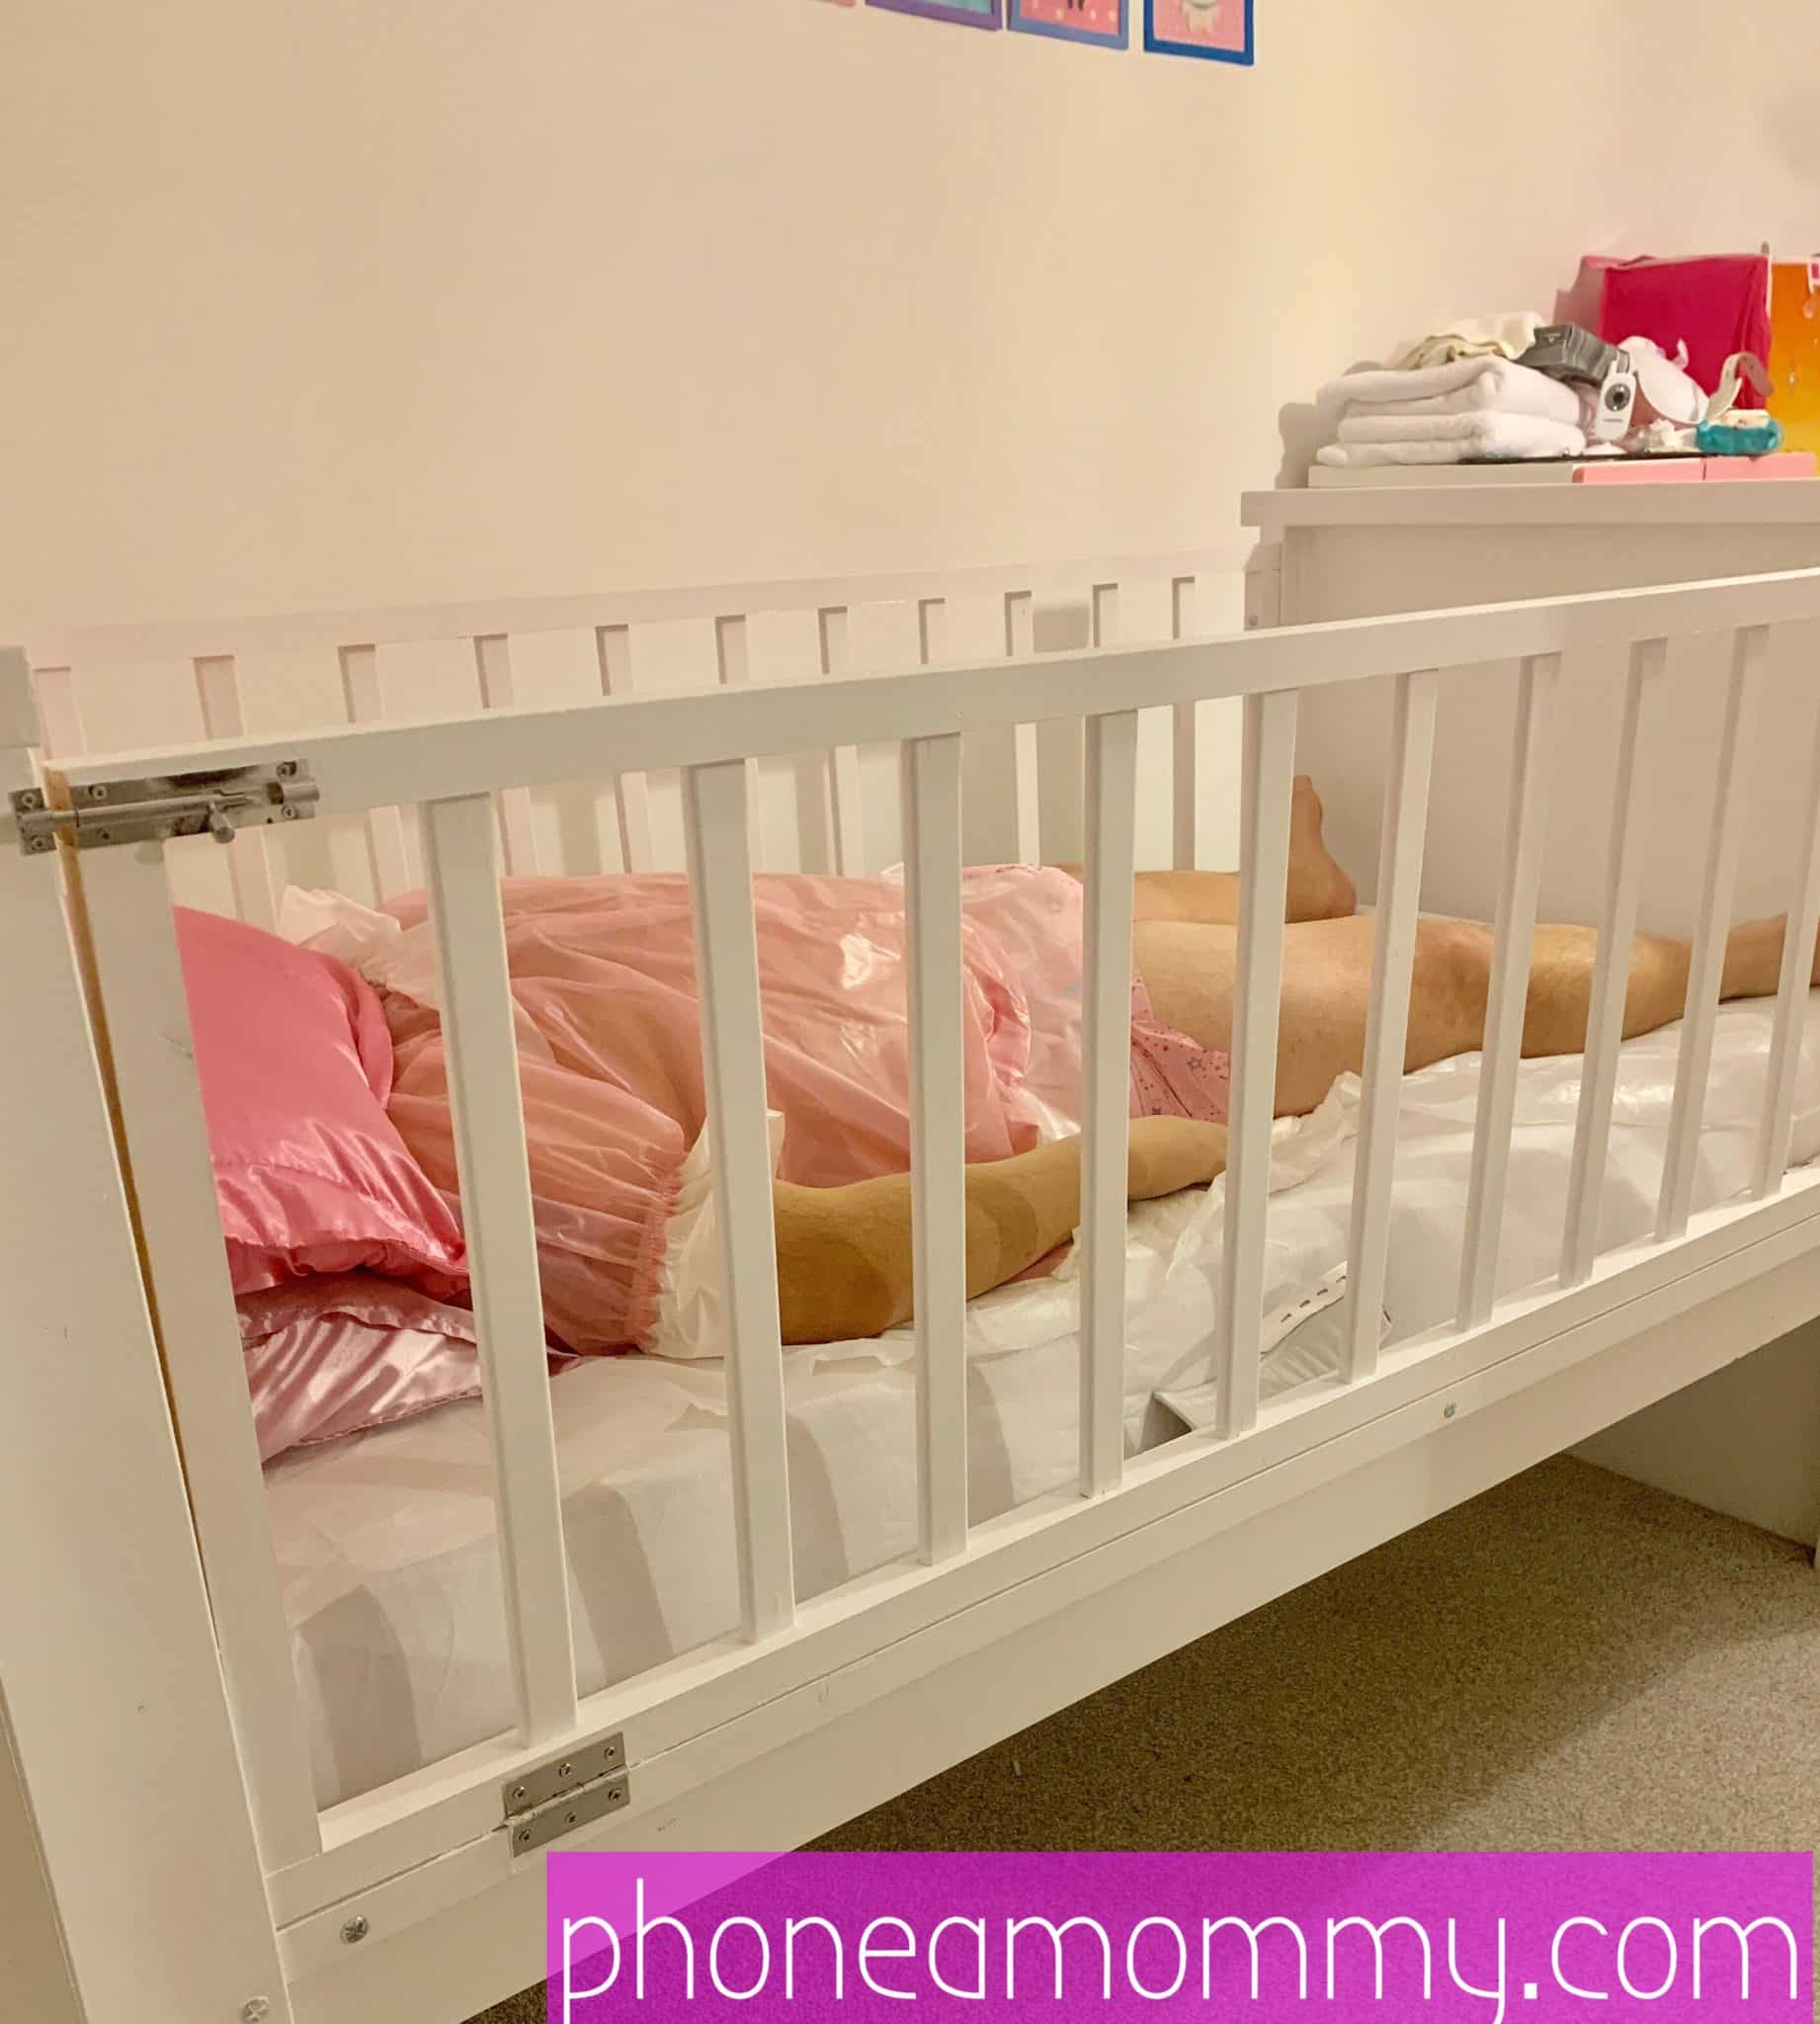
(1119, 1937)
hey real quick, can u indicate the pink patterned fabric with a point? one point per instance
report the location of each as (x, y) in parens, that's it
(1172, 1077)
(603, 979)
(296, 1065)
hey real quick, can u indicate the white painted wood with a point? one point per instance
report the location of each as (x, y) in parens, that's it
(1399, 893)
(1737, 741)
(125, 902)
(938, 1139)
(1768, 503)
(1026, 786)
(255, 857)
(1264, 823)
(1730, 1250)
(107, 648)
(931, 630)
(791, 1771)
(715, 816)
(845, 814)
(1106, 1092)
(60, 710)
(549, 747)
(1510, 987)
(1611, 974)
(1792, 994)
(720, 730)
(1185, 735)
(493, 669)
(631, 794)
(462, 867)
(733, 657)
(113, 1700)
(390, 842)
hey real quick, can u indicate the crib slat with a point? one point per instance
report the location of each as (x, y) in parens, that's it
(1792, 992)
(841, 761)
(930, 781)
(632, 792)
(931, 630)
(1743, 707)
(388, 838)
(733, 657)
(59, 712)
(493, 665)
(1268, 788)
(1604, 1027)
(461, 873)
(1025, 792)
(127, 900)
(1518, 883)
(1106, 1092)
(715, 820)
(254, 857)
(1185, 737)
(1399, 889)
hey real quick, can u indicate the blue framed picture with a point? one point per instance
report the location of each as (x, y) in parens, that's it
(1099, 22)
(1221, 31)
(970, 13)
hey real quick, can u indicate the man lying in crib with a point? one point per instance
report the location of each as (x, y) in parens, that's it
(603, 976)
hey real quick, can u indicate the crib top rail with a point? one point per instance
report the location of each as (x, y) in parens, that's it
(102, 648)
(367, 766)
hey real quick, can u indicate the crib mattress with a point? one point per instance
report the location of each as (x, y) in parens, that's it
(386, 1542)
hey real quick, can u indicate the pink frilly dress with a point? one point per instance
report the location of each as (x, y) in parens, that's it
(604, 984)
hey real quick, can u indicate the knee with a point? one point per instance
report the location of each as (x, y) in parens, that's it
(1454, 962)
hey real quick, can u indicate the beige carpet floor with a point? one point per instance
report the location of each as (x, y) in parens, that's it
(1569, 1662)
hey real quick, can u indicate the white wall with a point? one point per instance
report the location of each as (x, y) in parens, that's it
(352, 302)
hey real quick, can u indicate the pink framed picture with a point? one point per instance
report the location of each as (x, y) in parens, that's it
(1221, 31)
(1101, 22)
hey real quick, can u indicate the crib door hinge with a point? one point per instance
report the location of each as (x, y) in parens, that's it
(568, 1791)
(161, 807)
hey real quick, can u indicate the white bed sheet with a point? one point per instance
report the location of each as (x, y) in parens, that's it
(386, 1542)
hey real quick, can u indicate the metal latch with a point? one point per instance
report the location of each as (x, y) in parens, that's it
(567, 1792)
(166, 805)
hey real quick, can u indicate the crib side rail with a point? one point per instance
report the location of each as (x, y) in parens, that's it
(455, 775)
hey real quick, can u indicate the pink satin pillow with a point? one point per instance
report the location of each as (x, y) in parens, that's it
(296, 1065)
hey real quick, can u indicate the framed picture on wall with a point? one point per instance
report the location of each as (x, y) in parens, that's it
(1219, 29)
(968, 13)
(1074, 20)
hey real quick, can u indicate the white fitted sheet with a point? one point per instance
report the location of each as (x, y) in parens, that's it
(386, 1542)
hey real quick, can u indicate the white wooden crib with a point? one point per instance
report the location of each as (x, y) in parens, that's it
(150, 1694)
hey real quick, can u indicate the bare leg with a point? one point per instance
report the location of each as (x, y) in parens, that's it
(844, 1267)
(1327, 986)
(1318, 889)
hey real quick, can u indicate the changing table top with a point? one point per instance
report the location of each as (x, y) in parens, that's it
(1743, 502)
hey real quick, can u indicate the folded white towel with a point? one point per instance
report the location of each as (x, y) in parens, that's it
(1467, 387)
(1369, 426)
(1451, 438)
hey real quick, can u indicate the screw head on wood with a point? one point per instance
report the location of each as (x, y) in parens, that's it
(1448, 1411)
(355, 1930)
(256, 2011)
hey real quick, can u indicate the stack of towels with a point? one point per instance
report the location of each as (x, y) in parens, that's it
(1477, 408)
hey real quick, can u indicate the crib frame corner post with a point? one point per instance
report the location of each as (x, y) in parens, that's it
(116, 1714)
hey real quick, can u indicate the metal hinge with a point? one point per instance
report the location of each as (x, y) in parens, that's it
(161, 807)
(567, 1792)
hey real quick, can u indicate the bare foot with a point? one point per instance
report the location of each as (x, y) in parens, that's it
(1319, 891)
